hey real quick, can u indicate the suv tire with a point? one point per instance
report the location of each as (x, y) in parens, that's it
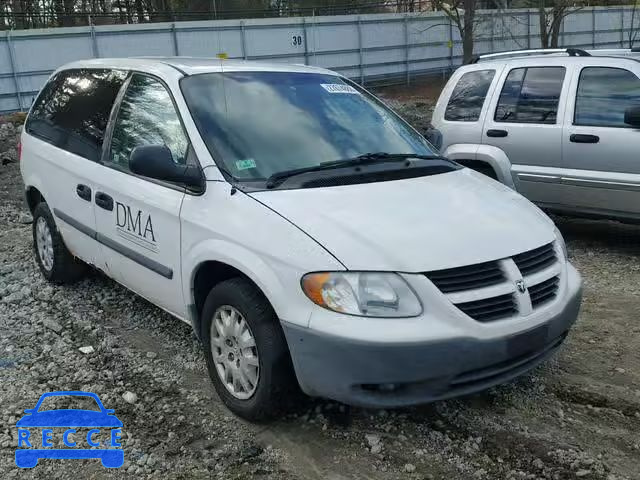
(252, 339)
(56, 262)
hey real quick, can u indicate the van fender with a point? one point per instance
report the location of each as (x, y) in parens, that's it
(252, 266)
(489, 154)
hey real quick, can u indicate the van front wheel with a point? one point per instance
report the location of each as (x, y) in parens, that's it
(247, 355)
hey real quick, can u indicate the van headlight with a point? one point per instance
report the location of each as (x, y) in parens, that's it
(561, 243)
(369, 294)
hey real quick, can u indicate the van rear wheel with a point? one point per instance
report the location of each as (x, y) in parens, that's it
(247, 355)
(56, 263)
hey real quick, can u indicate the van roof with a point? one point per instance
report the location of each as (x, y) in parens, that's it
(195, 65)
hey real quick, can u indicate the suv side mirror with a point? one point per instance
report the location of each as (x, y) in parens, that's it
(632, 116)
(434, 136)
(156, 161)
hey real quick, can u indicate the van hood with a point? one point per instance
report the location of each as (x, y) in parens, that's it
(416, 225)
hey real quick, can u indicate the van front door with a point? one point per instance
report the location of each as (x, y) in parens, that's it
(524, 121)
(138, 219)
(600, 151)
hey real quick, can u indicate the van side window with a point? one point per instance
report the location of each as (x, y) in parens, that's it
(530, 95)
(468, 96)
(73, 110)
(146, 116)
(604, 93)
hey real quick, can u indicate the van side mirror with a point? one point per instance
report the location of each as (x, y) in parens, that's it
(632, 116)
(156, 161)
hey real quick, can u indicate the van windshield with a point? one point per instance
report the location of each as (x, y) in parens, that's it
(258, 124)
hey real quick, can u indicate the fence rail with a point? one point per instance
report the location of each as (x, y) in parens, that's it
(368, 48)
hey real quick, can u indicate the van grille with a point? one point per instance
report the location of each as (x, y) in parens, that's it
(489, 309)
(464, 285)
(535, 260)
(544, 291)
(467, 278)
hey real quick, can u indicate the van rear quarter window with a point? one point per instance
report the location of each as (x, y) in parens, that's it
(468, 96)
(73, 110)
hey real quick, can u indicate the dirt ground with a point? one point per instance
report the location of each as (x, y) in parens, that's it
(578, 416)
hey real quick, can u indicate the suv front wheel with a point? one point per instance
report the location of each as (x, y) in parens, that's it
(56, 263)
(247, 355)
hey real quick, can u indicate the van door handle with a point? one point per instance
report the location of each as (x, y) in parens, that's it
(104, 201)
(84, 192)
(497, 133)
(583, 138)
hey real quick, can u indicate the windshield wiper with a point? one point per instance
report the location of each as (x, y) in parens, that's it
(364, 159)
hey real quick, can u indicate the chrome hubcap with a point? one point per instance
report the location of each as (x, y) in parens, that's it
(44, 243)
(234, 351)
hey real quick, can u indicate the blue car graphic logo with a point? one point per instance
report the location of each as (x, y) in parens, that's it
(65, 427)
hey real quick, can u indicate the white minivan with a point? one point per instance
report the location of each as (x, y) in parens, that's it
(310, 236)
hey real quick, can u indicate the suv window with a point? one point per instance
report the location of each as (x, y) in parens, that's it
(73, 110)
(604, 93)
(530, 95)
(147, 116)
(468, 96)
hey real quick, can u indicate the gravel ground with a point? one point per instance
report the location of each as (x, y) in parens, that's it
(578, 416)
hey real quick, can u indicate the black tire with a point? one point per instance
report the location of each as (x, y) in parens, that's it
(66, 268)
(276, 385)
(480, 167)
(486, 170)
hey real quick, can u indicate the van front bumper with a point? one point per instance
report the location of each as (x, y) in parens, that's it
(380, 375)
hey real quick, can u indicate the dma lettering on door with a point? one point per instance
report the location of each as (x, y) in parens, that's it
(135, 226)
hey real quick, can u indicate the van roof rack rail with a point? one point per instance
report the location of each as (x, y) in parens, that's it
(572, 52)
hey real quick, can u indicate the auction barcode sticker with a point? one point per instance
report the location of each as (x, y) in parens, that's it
(338, 88)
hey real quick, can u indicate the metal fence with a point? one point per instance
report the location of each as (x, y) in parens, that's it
(368, 48)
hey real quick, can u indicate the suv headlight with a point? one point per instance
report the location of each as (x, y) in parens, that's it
(561, 243)
(368, 294)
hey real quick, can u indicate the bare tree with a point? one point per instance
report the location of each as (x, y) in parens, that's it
(633, 28)
(551, 14)
(463, 15)
(407, 5)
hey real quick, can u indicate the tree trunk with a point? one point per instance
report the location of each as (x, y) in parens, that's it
(129, 9)
(69, 19)
(140, 11)
(17, 13)
(58, 8)
(467, 31)
(160, 11)
(556, 25)
(544, 32)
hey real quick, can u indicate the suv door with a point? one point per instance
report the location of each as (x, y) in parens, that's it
(138, 219)
(600, 151)
(526, 124)
(66, 128)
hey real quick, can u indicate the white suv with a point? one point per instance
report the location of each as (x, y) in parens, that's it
(309, 235)
(559, 126)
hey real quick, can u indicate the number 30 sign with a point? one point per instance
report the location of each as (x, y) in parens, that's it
(296, 40)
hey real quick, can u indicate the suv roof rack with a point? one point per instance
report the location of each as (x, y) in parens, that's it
(572, 52)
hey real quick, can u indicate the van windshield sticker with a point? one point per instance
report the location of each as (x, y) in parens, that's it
(245, 164)
(339, 88)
